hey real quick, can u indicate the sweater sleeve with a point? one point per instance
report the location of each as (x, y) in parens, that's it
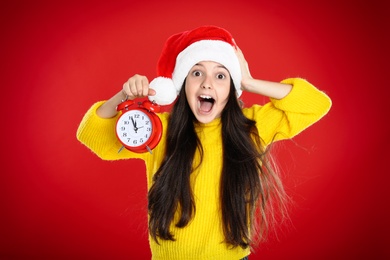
(98, 134)
(289, 116)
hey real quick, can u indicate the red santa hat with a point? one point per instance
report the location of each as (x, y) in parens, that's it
(183, 50)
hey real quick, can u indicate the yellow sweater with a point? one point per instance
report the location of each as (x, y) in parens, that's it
(203, 237)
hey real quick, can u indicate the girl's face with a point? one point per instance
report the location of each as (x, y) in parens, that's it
(207, 90)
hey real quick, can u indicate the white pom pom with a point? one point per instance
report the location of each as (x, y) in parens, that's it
(165, 91)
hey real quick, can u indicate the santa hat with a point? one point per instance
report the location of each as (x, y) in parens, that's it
(183, 50)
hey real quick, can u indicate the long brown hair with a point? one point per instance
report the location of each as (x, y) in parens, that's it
(248, 183)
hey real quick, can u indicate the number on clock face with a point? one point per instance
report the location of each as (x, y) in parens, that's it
(134, 128)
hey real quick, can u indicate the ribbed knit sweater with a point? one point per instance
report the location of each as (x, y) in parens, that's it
(203, 237)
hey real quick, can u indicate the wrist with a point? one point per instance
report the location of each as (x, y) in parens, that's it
(247, 84)
(108, 109)
(125, 96)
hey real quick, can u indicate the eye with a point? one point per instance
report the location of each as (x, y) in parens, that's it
(221, 76)
(196, 73)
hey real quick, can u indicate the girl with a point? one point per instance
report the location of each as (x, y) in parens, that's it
(211, 187)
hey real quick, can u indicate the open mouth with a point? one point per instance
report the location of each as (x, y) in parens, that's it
(205, 103)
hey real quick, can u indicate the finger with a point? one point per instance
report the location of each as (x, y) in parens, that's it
(145, 86)
(139, 87)
(239, 53)
(126, 89)
(136, 87)
(235, 43)
(133, 87)
(151, 92)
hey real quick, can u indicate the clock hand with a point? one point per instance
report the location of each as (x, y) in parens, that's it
(134, 124)
(132, 120)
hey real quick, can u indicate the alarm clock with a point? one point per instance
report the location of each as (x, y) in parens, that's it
(138, 128)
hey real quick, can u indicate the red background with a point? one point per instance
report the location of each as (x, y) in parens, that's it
(59, 201)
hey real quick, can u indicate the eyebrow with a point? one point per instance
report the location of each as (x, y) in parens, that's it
(218, 66)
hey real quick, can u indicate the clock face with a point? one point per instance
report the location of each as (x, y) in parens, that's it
(134, 128)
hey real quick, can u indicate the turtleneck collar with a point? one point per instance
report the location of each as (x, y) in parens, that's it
(215, 122)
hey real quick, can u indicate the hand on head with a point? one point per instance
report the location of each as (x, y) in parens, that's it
(245, 73)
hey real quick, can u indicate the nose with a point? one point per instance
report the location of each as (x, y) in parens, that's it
(207, 83)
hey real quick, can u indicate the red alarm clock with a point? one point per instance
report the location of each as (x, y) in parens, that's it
(138, 128)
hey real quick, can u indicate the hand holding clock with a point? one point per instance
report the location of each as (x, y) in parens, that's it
(138, 128)
(135, 87)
